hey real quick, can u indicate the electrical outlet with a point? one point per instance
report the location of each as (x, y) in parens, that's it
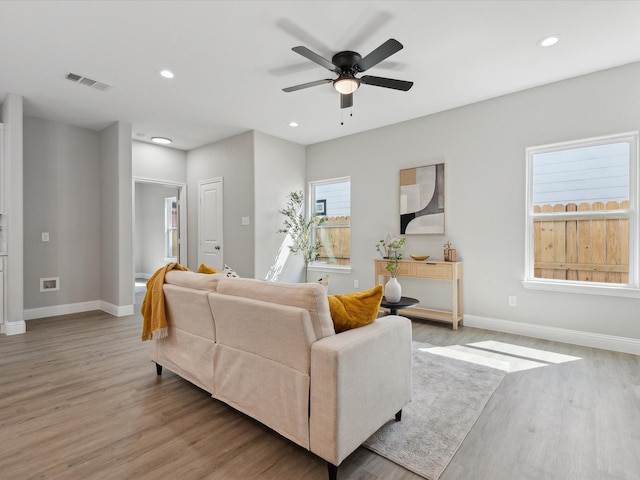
(356, 284)
(45, 236)
(511, 299)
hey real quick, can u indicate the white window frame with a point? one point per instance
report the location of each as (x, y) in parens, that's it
(629, 290)
(168, 228)
(322, 267)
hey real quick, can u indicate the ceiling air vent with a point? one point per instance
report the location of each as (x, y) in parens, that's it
(88, 82)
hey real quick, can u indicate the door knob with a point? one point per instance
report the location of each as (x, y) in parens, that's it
(217, 247)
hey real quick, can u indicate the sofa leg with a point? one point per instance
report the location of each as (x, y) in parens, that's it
(399, 416)
(333, 471)
(158, 369)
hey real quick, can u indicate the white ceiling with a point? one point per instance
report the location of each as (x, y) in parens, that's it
(232, 59)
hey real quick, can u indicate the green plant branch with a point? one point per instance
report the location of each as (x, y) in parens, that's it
(301, 229)
(389, 249)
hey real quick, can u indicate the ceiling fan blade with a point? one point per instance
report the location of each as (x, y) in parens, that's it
(314, 57)
(385, 50)
(386, 82)
(306, 85)
(366, 29)
(346, 100)
(302, 34)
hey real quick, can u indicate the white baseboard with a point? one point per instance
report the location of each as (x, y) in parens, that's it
(116, 310)
(576, 337)
(145, 276)
(55, 310)
(13, 328)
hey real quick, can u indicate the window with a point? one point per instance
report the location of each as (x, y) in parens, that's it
(171, 228)
(332, 198)
(582, 216)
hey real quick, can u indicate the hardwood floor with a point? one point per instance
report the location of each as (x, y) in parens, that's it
(79, 399)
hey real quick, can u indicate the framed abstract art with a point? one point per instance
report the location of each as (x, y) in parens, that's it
(422, 200)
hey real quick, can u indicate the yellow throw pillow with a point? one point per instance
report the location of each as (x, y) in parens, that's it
(355, 309)
(206, 269)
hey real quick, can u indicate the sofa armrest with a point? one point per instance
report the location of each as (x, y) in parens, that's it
(359, 380)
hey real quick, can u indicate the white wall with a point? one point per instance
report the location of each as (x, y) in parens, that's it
(116, 217)
(279, 168)
(11, 114)
(483, 147)
(62, 197)
(231, 159)
(78, 189)
(154, 162)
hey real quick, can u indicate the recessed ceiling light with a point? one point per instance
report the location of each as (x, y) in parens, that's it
(293, 124)
(161, 140)
(549, 41)
(167, 74)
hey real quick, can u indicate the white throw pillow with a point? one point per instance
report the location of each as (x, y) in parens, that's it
(227, 271)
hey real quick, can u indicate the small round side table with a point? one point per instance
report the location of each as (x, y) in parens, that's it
(403, 303)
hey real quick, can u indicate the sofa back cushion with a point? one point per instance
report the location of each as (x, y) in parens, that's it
(310, 296)
(198, 281)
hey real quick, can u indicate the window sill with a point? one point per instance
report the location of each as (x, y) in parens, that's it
(582, 288)
(330, 268)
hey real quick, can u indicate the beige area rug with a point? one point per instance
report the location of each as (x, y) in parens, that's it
(447, 398)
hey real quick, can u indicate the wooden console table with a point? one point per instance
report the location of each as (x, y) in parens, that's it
(430, 270)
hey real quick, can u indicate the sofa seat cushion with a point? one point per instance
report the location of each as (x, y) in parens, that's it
(355, 310)
(310, 296)
(198, 281)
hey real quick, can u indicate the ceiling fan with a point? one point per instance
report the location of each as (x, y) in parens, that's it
(347, 64)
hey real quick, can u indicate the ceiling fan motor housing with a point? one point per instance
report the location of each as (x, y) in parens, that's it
(346, 61)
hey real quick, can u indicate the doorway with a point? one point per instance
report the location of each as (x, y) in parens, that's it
(159, 226)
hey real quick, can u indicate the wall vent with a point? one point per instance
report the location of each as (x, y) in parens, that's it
(74, 77)
(49, 284)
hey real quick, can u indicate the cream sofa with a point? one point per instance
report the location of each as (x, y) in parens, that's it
(270, 351)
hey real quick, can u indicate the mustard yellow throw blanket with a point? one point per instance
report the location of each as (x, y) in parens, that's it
(154, 326)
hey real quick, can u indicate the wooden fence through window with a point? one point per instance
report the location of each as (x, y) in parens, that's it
(587, 250)
(335, 237)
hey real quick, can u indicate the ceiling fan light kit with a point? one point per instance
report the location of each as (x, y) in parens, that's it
(347, 64)
(346, 85)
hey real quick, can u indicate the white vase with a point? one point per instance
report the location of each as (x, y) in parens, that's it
(393, 290)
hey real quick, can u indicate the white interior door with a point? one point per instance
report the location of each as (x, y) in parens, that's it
(210, 231)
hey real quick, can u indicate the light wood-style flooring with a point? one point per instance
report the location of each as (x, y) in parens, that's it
(79, 399)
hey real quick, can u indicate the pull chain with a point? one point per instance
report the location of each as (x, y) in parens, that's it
(342, 114)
